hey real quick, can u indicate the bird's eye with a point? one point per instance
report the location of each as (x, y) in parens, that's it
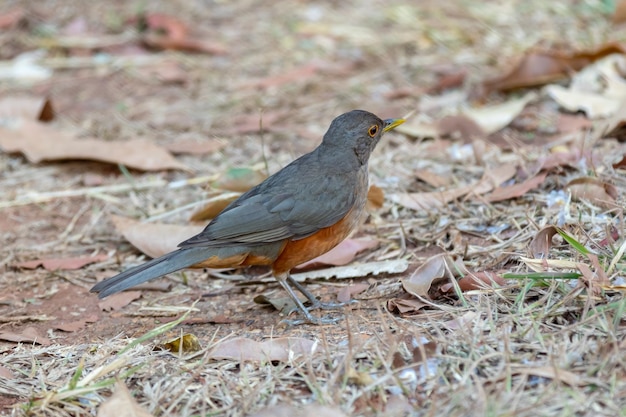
(373, 130)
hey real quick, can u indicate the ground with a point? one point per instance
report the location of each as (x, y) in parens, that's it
(258, 88)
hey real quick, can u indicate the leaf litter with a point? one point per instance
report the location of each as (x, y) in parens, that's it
(485, 338)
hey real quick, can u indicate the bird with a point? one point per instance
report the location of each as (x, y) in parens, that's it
(297, 214)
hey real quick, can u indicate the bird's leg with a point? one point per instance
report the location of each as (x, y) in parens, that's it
(315, 303)
(308, 317)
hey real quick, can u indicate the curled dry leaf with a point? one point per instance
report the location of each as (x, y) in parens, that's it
(496, 117)
(41, 142)
(401, 305)
(282, 349)
(187, 343)
(121, 404)
(593, 190)
(420, 281)
(540, 245)
(542, 67)
(480, 280)
(154, 239)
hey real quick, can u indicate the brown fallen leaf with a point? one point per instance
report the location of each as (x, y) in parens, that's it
(154, 239)
(593, 190)
(420, 281)
(343, 253)
(540, 245)
(76, 325)
(516, 190)
(281, 349)
(55, 264)
(481, 280)
(432, 179)
(213, 206)
(542, 67)
(121, 404)
(401, 305)
(346, 294)
(162, 31)
(375, 198)
(27, 335)
(26, 107)
(498, 116)
(6, 373)
(119, 300)
(42, 142)
(11, 18)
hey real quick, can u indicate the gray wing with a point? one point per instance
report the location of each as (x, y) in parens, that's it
(280, 208)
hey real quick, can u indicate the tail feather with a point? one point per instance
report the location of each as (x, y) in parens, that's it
(155, 268)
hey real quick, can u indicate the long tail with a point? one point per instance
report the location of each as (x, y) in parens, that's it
(155, 268)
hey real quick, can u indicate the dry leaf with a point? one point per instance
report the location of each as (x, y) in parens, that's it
(11, 18)
(6, 374)
(28, 335)
(516, 190)
(496, 117)
(214, 206)
(26, 107)
(346, 294)
(343, 253)
(593, 190)
(187, 343)
(619, 15)
(432, 179)
(308, 410)
(462, 321)
(41, 142)
(55, 264)
(76, 325)
(119, 300)
(395, 266)
(420, 281)
(542, 67)
(599, 90)
(375, 198)
(480, 280)
(542, 242)
(167, 32)
(281, 349)
(154, 239)
(121, 404)
(405, 306)
(238, 179)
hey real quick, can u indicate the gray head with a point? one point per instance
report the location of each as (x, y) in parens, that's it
(358, 131)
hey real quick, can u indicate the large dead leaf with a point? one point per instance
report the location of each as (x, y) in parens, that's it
(343, 253)
(516, 190)
(154, 239)
(496, 117)
(27, 335)
(542, 67)
(55, 264)
(420, 281)
(599, 90)
(121, 404)
(593, 190)
(542, 242)
(282, 349)
(42, 142)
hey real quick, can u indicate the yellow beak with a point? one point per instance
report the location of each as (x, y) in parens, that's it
(392, 123)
